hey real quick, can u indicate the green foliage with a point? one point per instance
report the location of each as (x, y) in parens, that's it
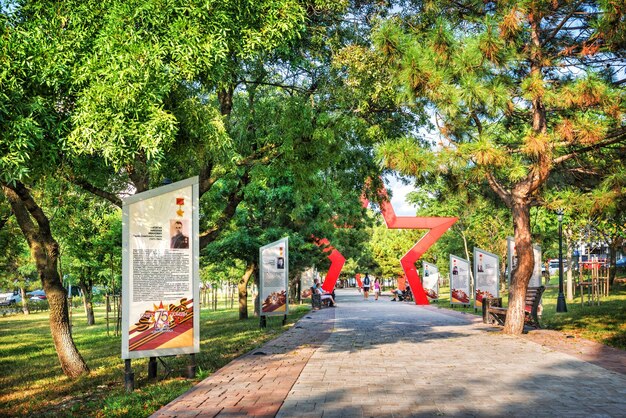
(152, 60)
(16, 268)
(388, 246)
(480, 85)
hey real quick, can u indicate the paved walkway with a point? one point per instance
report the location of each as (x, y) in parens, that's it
(394, 359)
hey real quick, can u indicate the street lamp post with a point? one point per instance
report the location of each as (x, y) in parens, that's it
(561, 306)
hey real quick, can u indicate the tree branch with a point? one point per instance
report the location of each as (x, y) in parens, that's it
(111, 197)
(258, 156)
(614, 138)
(235, 197)
(138, 173)
(498, 188)
(22, 204)
(206, 181)
(562, 23)
(282, 86)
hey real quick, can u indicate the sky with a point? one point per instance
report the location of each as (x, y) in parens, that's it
(399, 190)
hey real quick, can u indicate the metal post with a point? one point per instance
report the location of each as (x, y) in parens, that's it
(263, 321)
(561, 306)
(129, 376)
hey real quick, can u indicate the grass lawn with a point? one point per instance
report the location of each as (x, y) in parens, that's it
(605, 323)
(32, 383)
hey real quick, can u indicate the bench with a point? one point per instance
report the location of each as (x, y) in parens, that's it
(317, 302)
(493, 312)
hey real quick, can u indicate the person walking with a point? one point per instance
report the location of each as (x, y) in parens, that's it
(377, 288)
(366, 286)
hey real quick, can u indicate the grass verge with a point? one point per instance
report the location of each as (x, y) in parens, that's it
(32, 383)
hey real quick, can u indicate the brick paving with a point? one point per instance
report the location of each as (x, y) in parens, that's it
(394, 359)
(256, 384)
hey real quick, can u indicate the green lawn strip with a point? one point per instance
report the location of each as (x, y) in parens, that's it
(32, 383)
(605, 324)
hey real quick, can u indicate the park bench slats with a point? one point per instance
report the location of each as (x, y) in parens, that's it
(493, 312)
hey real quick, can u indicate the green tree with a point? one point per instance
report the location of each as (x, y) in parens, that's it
(15, 264)
(101, 90)
(519, 90)
(274, 208)
(388, 246)
(90, 241)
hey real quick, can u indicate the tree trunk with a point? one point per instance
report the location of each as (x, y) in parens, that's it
(613, 246)
(45, 251)
(257, 302)
(523, 271)
(519, 199)
(86, 287)
(243, 291)
(225, 98)
(24, 301)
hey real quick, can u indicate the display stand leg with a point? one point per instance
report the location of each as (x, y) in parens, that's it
(284, 320)
(191, 367)
(263, 321)
(152, 368)
(129, 377)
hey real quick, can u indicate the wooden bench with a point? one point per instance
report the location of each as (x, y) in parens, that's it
(493, 312)
(317, 302)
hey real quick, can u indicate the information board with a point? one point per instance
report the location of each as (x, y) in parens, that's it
(486, 273)
(160, 272)
(274, 262)
(430, 280)
(460, 288)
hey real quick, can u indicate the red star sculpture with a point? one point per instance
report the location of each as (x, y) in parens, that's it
(436, 228)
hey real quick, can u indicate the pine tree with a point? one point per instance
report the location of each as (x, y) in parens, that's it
(520, 90)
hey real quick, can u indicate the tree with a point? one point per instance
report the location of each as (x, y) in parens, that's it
(90, 240)
(90, 78)
(29, 139)
(15, 265)
(388, 246)
(274, 208)
(520, 90)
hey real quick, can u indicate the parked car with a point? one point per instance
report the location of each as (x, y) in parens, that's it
(11, 298)
(621, 262)
(37, 295)
(553, 266)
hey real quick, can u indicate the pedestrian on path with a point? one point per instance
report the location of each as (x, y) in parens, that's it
(366, 286)
(376, 288)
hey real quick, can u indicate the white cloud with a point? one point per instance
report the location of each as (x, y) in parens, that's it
(398, 200)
